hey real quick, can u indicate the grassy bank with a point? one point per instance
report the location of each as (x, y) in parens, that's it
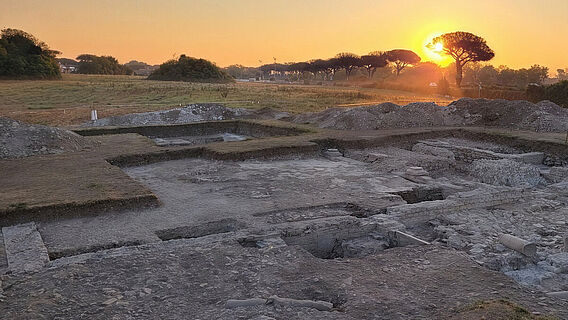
(69, 100)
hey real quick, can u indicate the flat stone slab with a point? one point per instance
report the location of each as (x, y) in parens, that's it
(25, 249)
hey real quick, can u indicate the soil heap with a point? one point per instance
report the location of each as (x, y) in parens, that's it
(187, 114)
(19, 139)
(544, 116)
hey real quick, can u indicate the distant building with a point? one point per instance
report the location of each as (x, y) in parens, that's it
(67, 68)
(68, 65)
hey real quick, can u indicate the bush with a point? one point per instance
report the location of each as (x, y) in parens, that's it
(22, 56)
(191, 70)
(557, 93)
(443, 86)
(535, 92)
(489, 93)
(91, 64)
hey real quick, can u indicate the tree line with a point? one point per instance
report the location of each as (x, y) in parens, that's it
(463, 47)
(92, 64)
(488, 75)
(347, 61)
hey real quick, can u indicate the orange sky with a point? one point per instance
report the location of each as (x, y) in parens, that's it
(522, 32)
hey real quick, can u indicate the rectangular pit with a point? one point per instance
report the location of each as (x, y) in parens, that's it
(349, 239)
(421, 194)
(202, 230)
(318, 212)
(199, 132)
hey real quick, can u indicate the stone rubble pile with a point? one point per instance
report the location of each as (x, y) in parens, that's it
(544, 116)
(506, 173)
(187, 114)
(18, 139)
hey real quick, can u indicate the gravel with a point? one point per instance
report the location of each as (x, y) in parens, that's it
(19, 140)
(187, 114)
(506, 172)
(385, 115)
(544, 116)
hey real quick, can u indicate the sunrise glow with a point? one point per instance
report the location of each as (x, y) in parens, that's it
(250, 31)
(435, 52)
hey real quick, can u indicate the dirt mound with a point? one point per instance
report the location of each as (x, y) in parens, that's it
(187, 114)
(544, 116)
(19, 139)
(385, 115)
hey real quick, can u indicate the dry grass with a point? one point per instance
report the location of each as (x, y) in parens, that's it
(498, 310)
(69, 100)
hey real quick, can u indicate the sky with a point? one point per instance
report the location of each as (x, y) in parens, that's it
(254, 32)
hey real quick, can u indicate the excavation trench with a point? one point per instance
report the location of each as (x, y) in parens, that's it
(202, 230)
(348, 240)
(421, 194)
(318, 212)
(54, 255)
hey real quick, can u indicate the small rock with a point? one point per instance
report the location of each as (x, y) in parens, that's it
(110, 301)
(559, 261)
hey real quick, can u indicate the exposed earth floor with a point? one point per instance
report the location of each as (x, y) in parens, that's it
(290, 224)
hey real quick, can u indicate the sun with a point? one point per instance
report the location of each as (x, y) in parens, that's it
(438, 47)
(435, 52)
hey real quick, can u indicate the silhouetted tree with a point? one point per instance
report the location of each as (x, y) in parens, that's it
(333, 66)
(24, 56)
(348, 61)
(562, 74)
(557, 93)
(299, 68)
(92, 64)
(464, 47)
(487, 74)
(238, 71)
(402, 58)
(316, 66)
(372, 61)
(279, 68)
(191, 70)
(327, 67)
(537, 74)
(266, 69)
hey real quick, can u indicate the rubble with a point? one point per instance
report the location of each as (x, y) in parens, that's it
(223, 224)
(275, 300)
(506, 173)
(418, 175)
(544, 116)
(187, 114)
(559, 262)
(18, 139)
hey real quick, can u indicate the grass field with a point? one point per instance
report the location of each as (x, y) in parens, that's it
(68, 101)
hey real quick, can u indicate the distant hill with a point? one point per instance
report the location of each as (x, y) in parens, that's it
(191, 70)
